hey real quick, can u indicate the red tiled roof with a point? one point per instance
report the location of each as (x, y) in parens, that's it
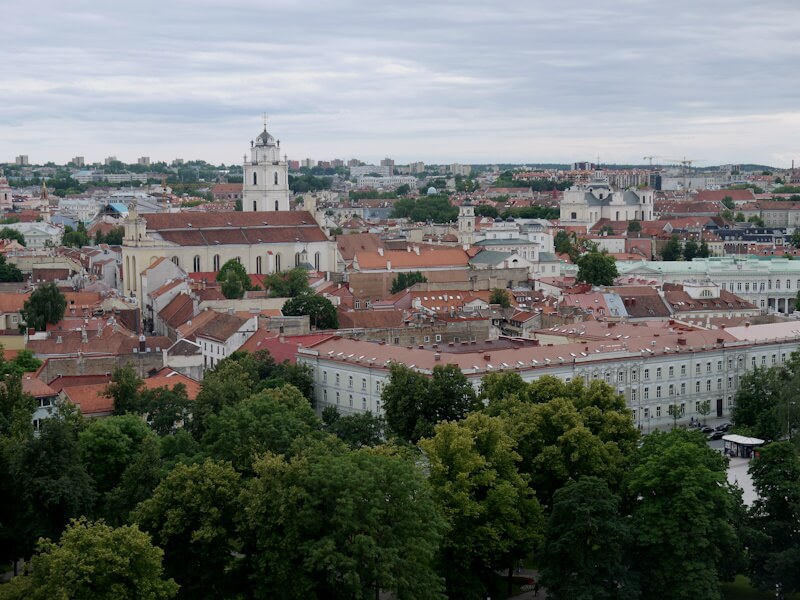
(221, 327)
(178, 311)
(90, 399)
(36, 387)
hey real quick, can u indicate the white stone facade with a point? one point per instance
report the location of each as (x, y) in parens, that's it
(266, 176)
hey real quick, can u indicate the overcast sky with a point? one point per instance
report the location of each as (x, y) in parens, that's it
(471, 82)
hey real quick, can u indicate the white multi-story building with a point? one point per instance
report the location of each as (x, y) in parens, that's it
(223, 336)
(359, 171)
(39, 234)
(80, 209)
(586, 204)
(663, 371)
(769, 282)
(266, 176)
(388, 181)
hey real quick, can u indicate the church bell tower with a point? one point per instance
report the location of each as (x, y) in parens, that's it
(266, 176)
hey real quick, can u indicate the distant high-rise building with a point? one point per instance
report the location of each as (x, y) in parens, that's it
(143, 160)
(294, 165)
(458, 169)
(354, 162)
(177, 162)
(417, 167)
(22, 159)
(388, 162)
(308, 162)
(110, 160)
(337, 162)
(583, 166)
(655, 181)
(78, 161)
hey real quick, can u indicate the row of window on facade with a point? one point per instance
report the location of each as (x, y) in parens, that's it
(698, 367)
(761, 286)
(657, 413)
(274, 179)
(378, 384)
(215, 261)
(673, 388)
(363, 401)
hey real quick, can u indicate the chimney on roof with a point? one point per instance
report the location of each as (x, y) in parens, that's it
(84, 335)
(437, 357)
(59, 340)
(416, 250)
(388, 265)
(487, 357)
(380, 251)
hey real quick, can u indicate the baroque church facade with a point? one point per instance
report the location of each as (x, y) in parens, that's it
(586, 204)
(265, 237)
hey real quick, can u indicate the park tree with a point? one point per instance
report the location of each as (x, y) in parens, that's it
(269, 421)
(492, 514)
(9, 233)
(356, 430)
(499, 386)
(288, 284)
(76, 238)
(414, 404)
(340, 524)
(9, 272)
(234, 279)
(690, 250)
(226, 385)
(703, 251)
(191, 515)
(321, 311)
(93, 561)
(136, 483)
(51, 481)
(125, 389)
(586, 552)
(775, 544)
(634, 226)
(728, 203)
(406, 280)
(757, 405)
(166, 408)
(108, 446)
(45, 306)
(564, 431)
(501, 297)
(682, 517)
(672, 250)
(597, 268)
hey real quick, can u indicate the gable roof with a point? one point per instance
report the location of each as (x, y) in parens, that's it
(221, 327)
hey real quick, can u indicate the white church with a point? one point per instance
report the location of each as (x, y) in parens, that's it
(586, 204)
(266, 237)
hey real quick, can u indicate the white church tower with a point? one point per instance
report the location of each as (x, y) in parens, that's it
(266, 176)
(466, 224)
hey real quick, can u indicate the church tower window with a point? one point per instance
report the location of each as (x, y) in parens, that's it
(277, 208)
(316, 261)
(276, 179)
(255, 178)
(255, 206)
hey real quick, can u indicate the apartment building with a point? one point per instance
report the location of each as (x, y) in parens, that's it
(664, 369)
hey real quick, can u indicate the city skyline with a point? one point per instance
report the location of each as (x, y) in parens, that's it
(438, 83)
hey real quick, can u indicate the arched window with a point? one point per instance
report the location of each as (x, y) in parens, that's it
(258, 265)
(296, 259)
(176, 261)
(277, 263)
(255, 178)
(316, 261)
(196, 264)
(255, 206)
(216, 262)
(276, 179)
(133, 273)
(239, 259)
(276, 206)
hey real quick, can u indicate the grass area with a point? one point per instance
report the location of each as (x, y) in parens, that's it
(740, 589)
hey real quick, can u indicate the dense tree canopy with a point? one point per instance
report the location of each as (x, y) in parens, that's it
(682, 516)
(321, 311)
(414, 404)
(9, 272)
(586, 549)
(493, 516)
(93, 561)
(342, 524)
(45, 306)
(234, 279)
(597, 268)
(436, 209)
(406, 280)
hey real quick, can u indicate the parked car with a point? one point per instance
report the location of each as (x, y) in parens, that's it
(716, 435)
(706, 429)
(724, 427)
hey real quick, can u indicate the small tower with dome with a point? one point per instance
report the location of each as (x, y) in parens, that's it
(266, 176)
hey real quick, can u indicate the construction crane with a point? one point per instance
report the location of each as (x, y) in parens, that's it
(650, 158)
(686, 164)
